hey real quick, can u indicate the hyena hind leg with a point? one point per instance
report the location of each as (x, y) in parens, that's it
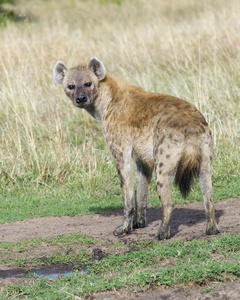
(164, 193)
(144, 176)
(165, 167)
(205, 178)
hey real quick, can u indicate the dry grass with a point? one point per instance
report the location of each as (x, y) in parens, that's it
(186, 48)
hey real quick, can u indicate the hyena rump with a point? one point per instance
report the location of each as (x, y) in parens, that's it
(160, 132)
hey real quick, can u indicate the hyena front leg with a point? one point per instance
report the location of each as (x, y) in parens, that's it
(144, 175)
(123, 164)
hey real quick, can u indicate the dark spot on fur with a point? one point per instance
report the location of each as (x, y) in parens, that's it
(107, 116)
(122, 180)
(160, 172)
(161, 165)
(162, 139)
(167, 156)
(159, 184)
(202, 129)
(120, 153)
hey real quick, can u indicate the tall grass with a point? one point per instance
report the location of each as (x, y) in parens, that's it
(187, 48)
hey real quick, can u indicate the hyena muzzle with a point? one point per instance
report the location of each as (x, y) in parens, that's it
(159, 132)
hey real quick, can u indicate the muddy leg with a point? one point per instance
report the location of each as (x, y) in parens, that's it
(207, 190)
(144, 175)
(126, 179)
(164, 193)
(167, 153)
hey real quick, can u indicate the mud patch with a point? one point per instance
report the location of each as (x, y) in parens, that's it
(214, 291)
(188, 222)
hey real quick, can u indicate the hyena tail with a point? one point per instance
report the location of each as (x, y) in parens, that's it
(188, 168)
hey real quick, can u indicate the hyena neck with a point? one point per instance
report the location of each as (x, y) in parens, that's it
(101, 103)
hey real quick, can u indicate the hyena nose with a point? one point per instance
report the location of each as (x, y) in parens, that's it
(80, 99)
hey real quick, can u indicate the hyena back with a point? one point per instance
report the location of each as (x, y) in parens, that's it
(160, 132)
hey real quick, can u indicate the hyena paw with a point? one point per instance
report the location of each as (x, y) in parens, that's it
(211, 230)
(139, 224)
(122, 229)
(163, 233)
(139, 219)
(162, 236)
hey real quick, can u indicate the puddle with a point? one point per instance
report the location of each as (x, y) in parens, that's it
(54, 273)
(41, 273)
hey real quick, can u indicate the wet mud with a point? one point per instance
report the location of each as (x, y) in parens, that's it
(188, 222)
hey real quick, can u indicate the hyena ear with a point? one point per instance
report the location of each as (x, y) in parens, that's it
(97, 67)
(59, 72)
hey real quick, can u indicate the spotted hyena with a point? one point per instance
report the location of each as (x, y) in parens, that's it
(159, 132)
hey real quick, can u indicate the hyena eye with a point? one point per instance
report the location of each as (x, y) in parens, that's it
(71, 86)
(87, 84)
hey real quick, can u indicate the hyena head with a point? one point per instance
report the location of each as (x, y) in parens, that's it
(81, 83)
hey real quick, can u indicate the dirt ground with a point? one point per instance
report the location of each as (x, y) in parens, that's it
(188, 222)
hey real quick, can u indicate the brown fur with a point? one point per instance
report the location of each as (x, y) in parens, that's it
(160, 132)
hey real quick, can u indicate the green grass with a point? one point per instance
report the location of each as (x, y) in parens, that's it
(58, 258)
(18, 254)
(45, 201)
(7, 13)
(26, 200)
(198, 261)
(61, 241)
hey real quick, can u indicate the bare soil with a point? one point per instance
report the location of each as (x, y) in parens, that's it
(188, 222)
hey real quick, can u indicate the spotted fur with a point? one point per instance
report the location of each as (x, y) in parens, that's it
(159, 132)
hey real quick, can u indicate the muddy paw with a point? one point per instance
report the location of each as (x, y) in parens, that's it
(140, 224)
(163, 232)
(121, 230)
(212, 231)
(162, 236)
